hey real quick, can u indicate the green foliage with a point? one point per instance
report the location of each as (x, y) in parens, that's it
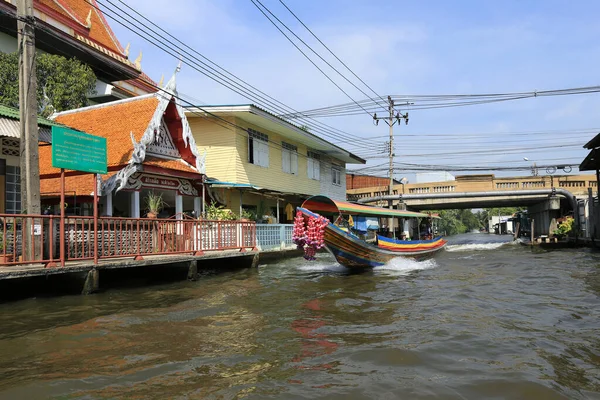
(564, 227)
(155, 203)
(215, 212)
(454, 222)
(248, 214)
(62, 84)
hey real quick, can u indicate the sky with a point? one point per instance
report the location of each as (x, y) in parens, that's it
(401, 48)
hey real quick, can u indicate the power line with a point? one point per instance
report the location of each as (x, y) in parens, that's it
(303, 53)
(424, 102)
(240, 87)
(332, 53)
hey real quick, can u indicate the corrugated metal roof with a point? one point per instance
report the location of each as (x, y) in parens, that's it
(13, 113)
(10, 126)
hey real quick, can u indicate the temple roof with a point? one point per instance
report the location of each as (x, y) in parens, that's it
(147, 133)
(114, 121)
(95, 28)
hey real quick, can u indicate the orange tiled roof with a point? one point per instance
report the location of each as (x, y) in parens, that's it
(78, 11)
(169, 164)
(114, 122)
(82, 185)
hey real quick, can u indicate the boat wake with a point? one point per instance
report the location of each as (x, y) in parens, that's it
(474, 246)
(404, 266)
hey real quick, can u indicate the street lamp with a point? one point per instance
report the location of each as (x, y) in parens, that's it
(534, 170)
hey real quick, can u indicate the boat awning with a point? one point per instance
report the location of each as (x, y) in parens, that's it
(325, 205)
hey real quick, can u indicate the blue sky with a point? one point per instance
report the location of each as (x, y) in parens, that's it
(426, 47)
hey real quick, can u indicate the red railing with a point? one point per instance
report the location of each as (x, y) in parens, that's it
(32, 239)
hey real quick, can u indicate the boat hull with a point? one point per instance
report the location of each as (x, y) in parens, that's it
(353, 252)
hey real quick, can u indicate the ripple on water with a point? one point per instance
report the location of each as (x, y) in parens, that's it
(482, 320)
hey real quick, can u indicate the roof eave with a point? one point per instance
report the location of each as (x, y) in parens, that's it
(345, 155)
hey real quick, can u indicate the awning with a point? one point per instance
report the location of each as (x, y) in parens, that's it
(591, 162)
(230, 185)
(595, 142)
(325, 205)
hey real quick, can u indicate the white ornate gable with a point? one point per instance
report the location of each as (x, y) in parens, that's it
(152, 138)
(163, 146)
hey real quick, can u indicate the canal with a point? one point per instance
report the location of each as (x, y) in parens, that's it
(485, 319)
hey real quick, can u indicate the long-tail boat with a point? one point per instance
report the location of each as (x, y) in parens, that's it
(352, 251)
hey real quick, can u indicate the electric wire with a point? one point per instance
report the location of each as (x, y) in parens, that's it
(241, 87)
(302, 52)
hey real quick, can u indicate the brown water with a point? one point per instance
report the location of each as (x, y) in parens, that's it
(481, 321)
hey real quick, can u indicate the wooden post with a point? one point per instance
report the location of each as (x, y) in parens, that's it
(532, 230)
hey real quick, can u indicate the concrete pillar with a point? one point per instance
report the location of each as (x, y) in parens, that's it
(197, 206)
(255, 260)
(92, 282)
(108, 205)
(178, 205)
(135, 204)
(193, 271)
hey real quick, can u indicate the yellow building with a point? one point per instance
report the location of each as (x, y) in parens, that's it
(262, 164)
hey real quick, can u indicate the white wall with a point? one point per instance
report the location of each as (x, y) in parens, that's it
(336, 192)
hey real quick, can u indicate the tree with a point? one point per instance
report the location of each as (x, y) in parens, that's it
(62, 84)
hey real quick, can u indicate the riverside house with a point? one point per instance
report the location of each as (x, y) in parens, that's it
(263, 165)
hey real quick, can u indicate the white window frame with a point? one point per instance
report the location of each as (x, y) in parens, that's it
(313, 165)
(336, 171)
(13, 190)
(289, 158)
(258, 148)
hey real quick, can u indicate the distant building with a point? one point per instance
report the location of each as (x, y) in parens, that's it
(359, 181)
(437, 176)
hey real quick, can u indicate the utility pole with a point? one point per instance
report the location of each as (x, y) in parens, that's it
(391, 119)
(29, 156)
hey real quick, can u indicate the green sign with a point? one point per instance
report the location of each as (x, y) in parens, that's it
(78, 151)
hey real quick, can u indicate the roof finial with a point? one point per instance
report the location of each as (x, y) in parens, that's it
(179, 65)
(127, 49)
(162, 79)
(138, 61)
(88, 20)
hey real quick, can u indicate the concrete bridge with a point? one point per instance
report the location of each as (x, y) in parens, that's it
(546, 197)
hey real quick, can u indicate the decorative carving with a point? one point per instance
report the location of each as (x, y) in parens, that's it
(88, 20)
(162, 81)
(126, 52)
(163, 146)
(183, 186)
(149, 138)
(138, 61)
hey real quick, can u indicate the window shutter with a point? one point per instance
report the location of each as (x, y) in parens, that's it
(309, 171)
(294, 163)
(317, 169)
(265, 151)
(285, 160)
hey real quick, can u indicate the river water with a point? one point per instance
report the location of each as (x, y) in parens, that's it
(486, 319)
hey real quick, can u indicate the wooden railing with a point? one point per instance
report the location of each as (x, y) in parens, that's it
(34, 239)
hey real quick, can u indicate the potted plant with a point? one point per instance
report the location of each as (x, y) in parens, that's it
(154, 204)
(247, 215)
(4, 258)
